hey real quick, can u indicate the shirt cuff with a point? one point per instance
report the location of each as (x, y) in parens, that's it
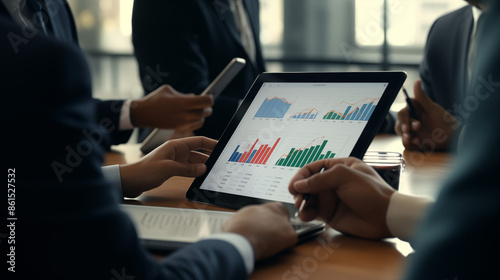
(125, 121)
(241, 244)
(404, 214)
(112, 174)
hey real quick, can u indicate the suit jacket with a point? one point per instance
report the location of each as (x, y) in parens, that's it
(61, 25)
(459, 237)
(443, 70)
(187, 43)
(69, 225)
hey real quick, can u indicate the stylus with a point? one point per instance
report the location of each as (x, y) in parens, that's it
(413, 113)
(305, 197)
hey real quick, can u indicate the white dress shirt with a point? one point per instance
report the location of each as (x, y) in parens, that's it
(405, 213)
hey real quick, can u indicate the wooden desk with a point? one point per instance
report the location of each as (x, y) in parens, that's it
(332, 255)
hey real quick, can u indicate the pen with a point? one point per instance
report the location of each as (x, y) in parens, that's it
(305, 197)
(413, 113)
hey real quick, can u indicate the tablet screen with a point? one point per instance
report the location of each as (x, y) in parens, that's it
(287, 126)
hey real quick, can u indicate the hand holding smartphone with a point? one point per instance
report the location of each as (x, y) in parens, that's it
(160, 136)
(225, 77)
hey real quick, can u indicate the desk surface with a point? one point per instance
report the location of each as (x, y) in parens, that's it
(332, 255)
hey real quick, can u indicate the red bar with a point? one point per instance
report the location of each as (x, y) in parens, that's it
(242, 157)
(244, 154)
(250, 151)
(257, 154)
(269, 154)
(262, 153)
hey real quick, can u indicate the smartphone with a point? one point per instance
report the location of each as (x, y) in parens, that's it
(160, 136)
(225, 77)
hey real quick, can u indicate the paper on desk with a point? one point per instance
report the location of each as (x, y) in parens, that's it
(175, 224)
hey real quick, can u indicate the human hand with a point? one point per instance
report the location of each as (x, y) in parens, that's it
(267, 227)
(435, 123)
(174, 158)
(348, 195)
(167, 108)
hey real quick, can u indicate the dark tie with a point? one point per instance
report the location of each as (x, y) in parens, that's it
(37, 8)
(473, 49)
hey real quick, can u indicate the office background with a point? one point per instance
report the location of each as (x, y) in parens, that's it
(297, 35)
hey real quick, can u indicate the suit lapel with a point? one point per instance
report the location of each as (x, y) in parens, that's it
(60, 21)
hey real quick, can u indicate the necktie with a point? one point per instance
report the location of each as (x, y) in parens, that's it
(37, 7)
(244, 27)
(473, 49)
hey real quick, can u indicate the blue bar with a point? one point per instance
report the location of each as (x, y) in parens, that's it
(370, 114)
(238, 157)
(251, 156)
(365, 113)
(362, 111)
(314, 116)
(272, 108)
(350, 115)
(353, 114)
(346, 111)
(234, 154)
(307, 115)
(356, 115)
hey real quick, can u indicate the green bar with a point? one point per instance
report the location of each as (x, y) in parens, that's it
(288, 157)
(293, 157)
(280, 162)
(296, 158)
(301, 159)
(338, 117)
(320, 150)
(327, 116)
(328, 154)
(310, 159)
(304, 160)
(332, 155)
(321, 157)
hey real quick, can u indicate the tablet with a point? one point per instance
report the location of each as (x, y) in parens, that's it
(286, 121)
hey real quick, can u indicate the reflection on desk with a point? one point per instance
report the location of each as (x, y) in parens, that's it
(332, 255)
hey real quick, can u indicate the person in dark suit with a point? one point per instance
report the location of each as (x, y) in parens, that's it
(453, 237)
(70, 227)
(193, 41)
(165, 108)
(441, 96)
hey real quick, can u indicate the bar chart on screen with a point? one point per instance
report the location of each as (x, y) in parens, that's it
(254, 152)
(300, 156)
(309, 113)
(273, 108)
(358, 111)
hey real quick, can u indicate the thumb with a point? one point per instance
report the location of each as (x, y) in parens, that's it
(186, 169)
(420, 95)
